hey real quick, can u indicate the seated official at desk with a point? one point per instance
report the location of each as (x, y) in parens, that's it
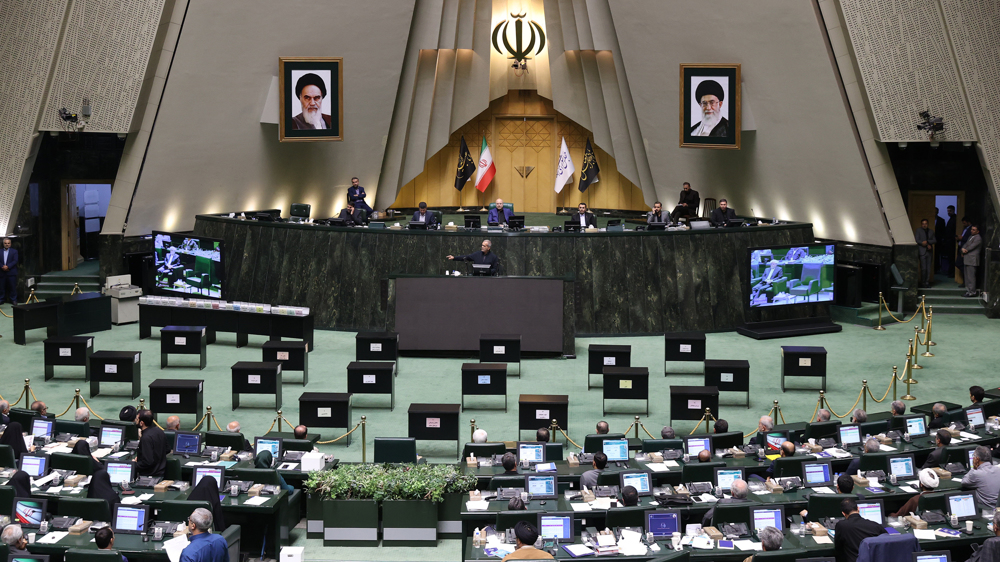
(499, 215)
(484, 256)
(787, 450)
(871, 446)
(939, 415)
(656, 216)
(15, 540)
(853, 529)
(928, 483)
(844, 485)
(983, 479)
(422, 215)
(589, 478)
(765, 425)
(936, 458)
(976, 394)
(353, 216)
(509, 462)
(687, 205)
(151, 458)
(583, 217)
(526, 535)
(738, 490)
(704, 456)
(630, 496)
(722, 215)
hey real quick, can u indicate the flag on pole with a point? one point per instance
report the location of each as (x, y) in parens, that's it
(565, 169)
(466, 166)
(590, 168)
(486, 171)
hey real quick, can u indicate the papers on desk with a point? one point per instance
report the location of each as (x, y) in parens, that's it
(257, 500)
(924, 534)
(119, 455)
(131, 500)
(672, 464)
(839, 453)
(822, 539)
(702, 542)
(101, 453)
(605, 540)
(580, 506)
(657, 466)
(748, 545)
(967, 435)
(709, 498)
(60, 449)
(886, 448)
(824, 490)
(39, 482)
(53, 537)
(174, 547)
(54, 489)
(602, 503)
(473, 505)
(908, 489)
(76, 490)
(145, 497)
(578, 550)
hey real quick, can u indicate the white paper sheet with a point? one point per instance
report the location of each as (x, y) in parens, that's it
(885, 448)
(748, 545)
(580, 506)
(908, 489)
(672, 464)
(824, 490)
(53, 537)
(174, 547)
(473, 505)
(924, 534)
(822, 539)
(657, 466)
(578, 549)
(257, 500)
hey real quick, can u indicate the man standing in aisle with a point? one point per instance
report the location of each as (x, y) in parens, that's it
(925, 249)
(971, 250)
(8, 270)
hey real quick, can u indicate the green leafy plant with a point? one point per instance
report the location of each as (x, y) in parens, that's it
(389, 482)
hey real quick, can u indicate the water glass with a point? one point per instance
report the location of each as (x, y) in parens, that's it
(158, 533)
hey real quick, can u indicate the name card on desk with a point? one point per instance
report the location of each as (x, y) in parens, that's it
(499, 349)
(685, 348)
(805, 361)
(65, 352)
(324, 412)
(484, 379)
(253, 379)
(625, 384)
(180, 341)
(726, 377)
(282, 356)
(368, 379)
(434, 422)
(694, 404)
(375, 347)
(90, 342)
(542, 415)
(173, 399)
(609, 361)
(111, 368)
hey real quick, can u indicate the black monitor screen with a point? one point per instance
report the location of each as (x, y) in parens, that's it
(188, 265)
(785, 275)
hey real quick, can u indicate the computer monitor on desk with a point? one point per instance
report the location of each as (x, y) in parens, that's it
(571, 226)
(695, 445)
(641, 480)
(541, 486)
(974, 416)
(663, 523)
(768, 517)
(42, 427)
(657, 226)
(902, 466)
(473, 221)
(916, 426)
(556, 525)
(531, 451)
(481, 269)
(615, 449)
(516, 222)
(417, 225)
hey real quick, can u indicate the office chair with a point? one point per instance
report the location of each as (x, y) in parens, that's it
(507, 519)
(700, 471)
(91, 509)
(657, 445)
(732, 513)
(484, 450)
(234, 441)
(783, 555)
(506, 481)
(826, 505)
(631, 516)
(790, 466)
(395, 450)
(819, 430)
(595, 442)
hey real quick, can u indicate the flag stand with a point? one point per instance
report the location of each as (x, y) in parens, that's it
(483, 209)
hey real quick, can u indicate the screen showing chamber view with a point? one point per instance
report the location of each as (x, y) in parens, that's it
(638, 481)
(187, 443)
(616, 449)
(41, 428)
(870, 511)
(541, 485)
(901, 467)
(662, 524)
(34, 466)
(696, 446)
(774, 441)
(556, 527)
(202, 472)
(915, 426)
(975, 416)
(962, 505)
(188, 265)
(111, 436)
(817, 473)
(29, 512)
(727, 477)
(531, 452)
(767, 518)
(130, 519)
(850, 435)
(120, 472)
(796, 275)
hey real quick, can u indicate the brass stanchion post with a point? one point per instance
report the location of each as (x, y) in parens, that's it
(923, 314)
(822, 399)
(142, 403)
(894, 379)
(209, 417)
(914, 349)
(927, 343)
(637, 427)
(76, 290)
(930, 327)
(553, 427)
(76, 399)
(364, 441)
(881, 303)
(864, 394)
(909, 380)
(27, 393)
(472, 430)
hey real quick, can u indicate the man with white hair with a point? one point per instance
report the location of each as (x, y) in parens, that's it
(763, 426)
(928, 483)
(823, 415)
(15, 540)
(479, 436)
(770, 538)
(738, 491)
(204, 546)
(983, 479)
(484, 256)
(499, 215)
(898, 408)
(173, 423)
(234, 427)
(871, 446)
(860, 416)
(82, 415)
(4, 410)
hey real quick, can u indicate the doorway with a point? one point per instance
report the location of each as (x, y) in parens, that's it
(921, 205)
(85, 206)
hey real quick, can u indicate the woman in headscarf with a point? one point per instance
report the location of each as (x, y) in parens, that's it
(207, 490)
(100, 487)
(83, 448)
(21, 483)
(264, 460)
(13, 437)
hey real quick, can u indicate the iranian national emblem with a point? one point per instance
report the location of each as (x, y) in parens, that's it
(519, 51)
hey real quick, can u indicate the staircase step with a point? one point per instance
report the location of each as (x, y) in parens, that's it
(971, 307)
(938, 301)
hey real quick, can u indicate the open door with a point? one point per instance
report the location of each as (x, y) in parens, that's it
(921, 204)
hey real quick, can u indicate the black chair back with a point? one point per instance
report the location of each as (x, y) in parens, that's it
(395, 450)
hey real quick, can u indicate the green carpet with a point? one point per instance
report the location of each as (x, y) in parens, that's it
(965, 355)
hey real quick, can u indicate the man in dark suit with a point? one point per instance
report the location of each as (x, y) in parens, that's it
(353, 216)
(871, 446)
(971, 249)
(765, 424)
(499, 214)
(961, 238)
(422, 215)
(656, 216)
(925, 248)
(583, 217)
(356, 195)
(947, 242)
(738, 492)
(483, 256)
(722, 215)
(9, 273)
(687, 205)
(939, 249)
(938, 416)
(852, 530)
(936, 458)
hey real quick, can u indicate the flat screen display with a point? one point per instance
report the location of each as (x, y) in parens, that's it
(111, 435)
(871, 511)
(725, 478)
(120, 472)
(41, 427)
(29, 513)
(696, 445)
(915, 426)
(616, 449)
(187, 443)
(774, 441)
(972, 455)
(932, 557)
(639, 481)
(556, 527)
(203, 471)
(662, 524)
(35, 466)
(273, 446)
(531, 452)
(962, 505)
(817, 474)
(541, 486)
(850, 434)
(188, 265)
(975, 416)
(784, 275)
(767, 518)
(130, 518)
(902, 467)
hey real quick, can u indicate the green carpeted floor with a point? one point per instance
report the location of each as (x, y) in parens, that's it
(965, 355)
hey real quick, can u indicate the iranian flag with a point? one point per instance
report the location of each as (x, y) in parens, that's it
(486, 171)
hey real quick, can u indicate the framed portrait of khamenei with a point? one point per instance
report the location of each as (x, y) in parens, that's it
(710, 105)
(311, 92)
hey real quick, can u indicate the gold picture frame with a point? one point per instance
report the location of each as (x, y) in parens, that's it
(326, 74)
(710, 80)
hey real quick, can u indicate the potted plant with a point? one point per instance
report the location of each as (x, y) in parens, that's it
(346, 504)
(412, 501)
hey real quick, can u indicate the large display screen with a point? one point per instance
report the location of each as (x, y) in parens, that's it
(188, 265)
(791, 275)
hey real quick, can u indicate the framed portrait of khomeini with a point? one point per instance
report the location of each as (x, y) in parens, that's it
(311, 92)
(710, 105)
